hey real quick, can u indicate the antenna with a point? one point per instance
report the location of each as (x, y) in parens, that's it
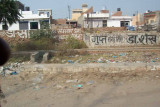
(69, 9)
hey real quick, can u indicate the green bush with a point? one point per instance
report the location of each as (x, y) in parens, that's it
(66, 47)
(40, 33)
(72, 43)
(41, 39)
(41, 44)
(19, 58)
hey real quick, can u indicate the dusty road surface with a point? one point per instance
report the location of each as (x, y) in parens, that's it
(83, 89)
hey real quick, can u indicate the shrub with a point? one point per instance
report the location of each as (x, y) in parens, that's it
(72, 43)
(40, 33)
(66, 47)
(41, 44)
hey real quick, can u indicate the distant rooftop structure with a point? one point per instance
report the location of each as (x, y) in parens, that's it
(21, 6)
(118, 13)
(85, 5)
(104, 11)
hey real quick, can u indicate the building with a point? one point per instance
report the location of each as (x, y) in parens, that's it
(118, 20)
(30, 20)
(138, 20)
(59, 23)
(152, 18)
(95, 19)
(76, 13)
(103, 19)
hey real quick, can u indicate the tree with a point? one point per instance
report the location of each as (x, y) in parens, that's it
(8, 13)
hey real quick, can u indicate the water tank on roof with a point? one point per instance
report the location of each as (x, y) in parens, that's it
(27, 8)
(84, 5)
(118, 9)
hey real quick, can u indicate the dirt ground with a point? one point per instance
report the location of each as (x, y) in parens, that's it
(83, 89)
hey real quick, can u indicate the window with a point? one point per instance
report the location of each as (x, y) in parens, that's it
(152, 21)
(77, 11)
(44, 24)
(5, 27)
(124, 23)
(34, 25)
(23, 25)
(104, 23)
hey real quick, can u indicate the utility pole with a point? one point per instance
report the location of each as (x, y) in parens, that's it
(158, 25)
(137, 23)
(69, 9)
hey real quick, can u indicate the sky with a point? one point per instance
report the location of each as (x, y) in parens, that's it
(60, 7)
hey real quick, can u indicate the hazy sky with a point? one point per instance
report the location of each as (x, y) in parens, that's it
(60, 7)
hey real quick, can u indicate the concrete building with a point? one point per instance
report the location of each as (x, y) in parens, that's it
(118, 20)
(96, 19)
(76, 13)
(152, 18)
(30, 20)
(138, 20)
(103, 19)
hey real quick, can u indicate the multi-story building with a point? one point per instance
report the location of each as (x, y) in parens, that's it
(103, 19)
(30, 20)
(96, 19)
(138, 20)
(151, 18)
(118, 20)
(76, 13)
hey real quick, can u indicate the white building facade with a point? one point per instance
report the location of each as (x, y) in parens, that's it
(95, 20)
(119, 21)
(30, 21)
(99, 19)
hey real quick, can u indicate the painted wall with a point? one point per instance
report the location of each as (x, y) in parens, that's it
(93, 24)
(93, 40)
(113, 23)
(75, 16)
(15, 26)
(121, 39)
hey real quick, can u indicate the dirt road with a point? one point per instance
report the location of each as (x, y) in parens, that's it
(83, 89)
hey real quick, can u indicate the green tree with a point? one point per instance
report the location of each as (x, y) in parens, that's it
(8, 13)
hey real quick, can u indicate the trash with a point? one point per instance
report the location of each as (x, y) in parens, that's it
(72, 81)
(100, 60)
(114, 56)
(63, 61)
(156, 58)
(69, 61)
(76, 55)
(36, 88)
(122, 54)
(153, 61)
(154, 68)
(88, 61)
(111, 60)
(59, 87)
(14, 73)
(107, 61)
(79, 86)
(94, 61)
(90, 82)
(38, 78)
